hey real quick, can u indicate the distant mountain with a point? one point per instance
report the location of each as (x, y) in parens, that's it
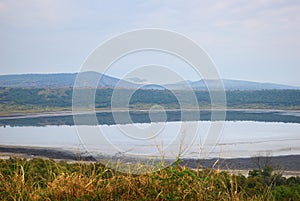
(229, 85)
(246, 85)
(61, 80)
(38, 80)
(91, 79)
(67, 80)
(153, 86)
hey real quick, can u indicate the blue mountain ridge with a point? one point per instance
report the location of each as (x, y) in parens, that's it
(91, 79)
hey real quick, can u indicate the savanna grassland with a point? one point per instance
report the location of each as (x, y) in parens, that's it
(43, 179)
(37, 100)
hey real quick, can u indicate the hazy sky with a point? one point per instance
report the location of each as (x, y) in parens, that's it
(250, 40)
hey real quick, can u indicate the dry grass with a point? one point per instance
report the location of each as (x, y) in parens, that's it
(40, 179)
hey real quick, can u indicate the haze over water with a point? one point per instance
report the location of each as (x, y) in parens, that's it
(239, 139)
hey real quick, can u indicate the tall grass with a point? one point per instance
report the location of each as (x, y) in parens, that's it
(41, 179)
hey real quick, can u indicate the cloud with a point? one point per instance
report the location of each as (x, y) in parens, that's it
(35, 13)
(220, 16)
(255, 34)
(137, 80)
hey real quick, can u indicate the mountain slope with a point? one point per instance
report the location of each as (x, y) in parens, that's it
(229, 85)
(67, 80)
(61, 80)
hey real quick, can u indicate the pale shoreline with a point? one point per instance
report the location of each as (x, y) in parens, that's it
(291, 163)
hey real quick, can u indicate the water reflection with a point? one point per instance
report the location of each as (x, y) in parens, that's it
(239, 139)
(106, 118)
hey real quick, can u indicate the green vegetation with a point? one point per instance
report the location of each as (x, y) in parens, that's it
(14, 100)
(25, 101)
(40, 179)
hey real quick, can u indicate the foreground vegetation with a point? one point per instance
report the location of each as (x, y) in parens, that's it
(40, 179)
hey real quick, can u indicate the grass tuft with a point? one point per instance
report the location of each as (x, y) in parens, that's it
(40, 179)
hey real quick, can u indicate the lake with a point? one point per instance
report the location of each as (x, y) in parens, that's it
(237, 139)
(108, 118)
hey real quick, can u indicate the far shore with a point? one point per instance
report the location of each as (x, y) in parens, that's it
(23, 115)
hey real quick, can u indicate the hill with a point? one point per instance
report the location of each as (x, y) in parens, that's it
(58, 80)
(229, 85)
(67, 80)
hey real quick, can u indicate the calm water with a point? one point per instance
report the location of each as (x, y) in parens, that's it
(238, 139)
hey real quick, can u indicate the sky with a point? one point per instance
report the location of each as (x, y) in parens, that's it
(247, 40)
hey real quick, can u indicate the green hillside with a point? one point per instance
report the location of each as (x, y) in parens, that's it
(45, 99)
